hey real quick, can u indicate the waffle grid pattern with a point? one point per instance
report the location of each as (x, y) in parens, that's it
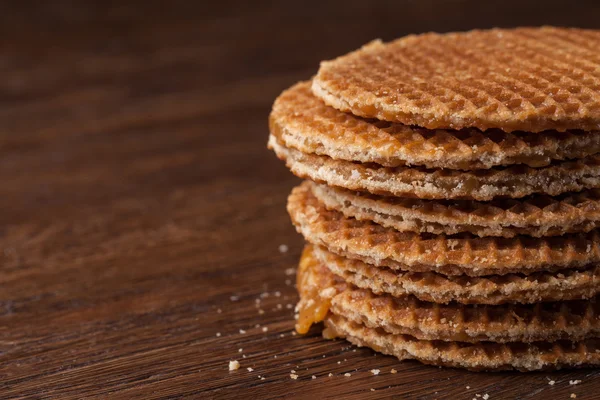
(530, 79)
(301, 121)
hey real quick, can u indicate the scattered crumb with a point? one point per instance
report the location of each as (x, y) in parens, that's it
(468, 387)
(261, 311)
(293, 371)
(289, 306)
(347, 374)
(288, 282)
(250, 369)
(328, 293)
(575, 382)
(294, 376)
(257, 301)
(264, 329)
(277, 294)
(339, 362)
(313, 377)
(375, 371)
(279, 306)
(290, 271)
(293, 333)
(242, 331)
(330, 374)
(234, 298)
(262, 378)
(281, 335)
(243, 356)
(264, 295)
(257, 326)
(485, 396)
(283, 248)
(219, 311)
(372, 390)
(551, 383)
(275, 356)
(233, 365)
(218, 334)
(240, 350)
(573, 396)
(393, 371)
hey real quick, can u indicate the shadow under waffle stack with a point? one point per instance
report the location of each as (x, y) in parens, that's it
(452, 201)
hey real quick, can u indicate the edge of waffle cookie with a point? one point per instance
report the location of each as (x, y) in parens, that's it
(473, 256)
(301, 121)
(438, 288)
(480, 356)
(573, 320)
(534, 216)
(529, 79)
(482, 185)
(406, 315)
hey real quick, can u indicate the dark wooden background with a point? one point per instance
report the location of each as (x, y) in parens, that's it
(137, 197)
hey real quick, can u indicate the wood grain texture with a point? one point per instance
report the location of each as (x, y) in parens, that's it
(137, 197)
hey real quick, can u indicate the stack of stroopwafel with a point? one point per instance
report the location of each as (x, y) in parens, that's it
(452, 197)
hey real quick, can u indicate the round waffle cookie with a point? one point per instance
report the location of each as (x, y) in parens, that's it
(454, 322)
(529, 79)
(303, 122)
(537, 215)
(574, 320)
(537, 287)
(462, 254)
(482, 185)
(481, 356)
(365, 319)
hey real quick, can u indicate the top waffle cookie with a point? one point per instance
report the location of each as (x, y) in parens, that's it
(529, 79)
(302, 121)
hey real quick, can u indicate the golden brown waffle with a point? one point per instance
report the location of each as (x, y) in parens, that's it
(493, 289)
(537, 215)
(301, 121)
(574, 320)
(481, 185)
(480, 356)
(463, 254)
(529, 79)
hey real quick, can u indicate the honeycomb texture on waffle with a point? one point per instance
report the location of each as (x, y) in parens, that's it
(576, 320)
(570, 284)
(573, 320)
(529, 79)
(536, 215)
(462, 254)
(481, 356)
(302, 121)
(482, 185)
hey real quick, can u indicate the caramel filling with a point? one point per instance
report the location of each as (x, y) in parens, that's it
(313, 307)
(314, 310)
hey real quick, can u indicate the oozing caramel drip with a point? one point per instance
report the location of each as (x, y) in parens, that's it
(313, 307)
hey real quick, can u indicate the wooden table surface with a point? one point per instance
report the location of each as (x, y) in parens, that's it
(142, 220)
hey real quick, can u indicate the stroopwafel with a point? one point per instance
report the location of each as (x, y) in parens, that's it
(529, 79)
